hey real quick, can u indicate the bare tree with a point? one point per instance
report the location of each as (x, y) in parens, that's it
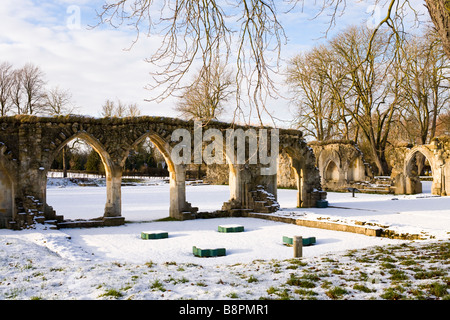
(396, 11)
(17, 92)
(204, 99)
(374, 81)
(58, 102)
(306, 77)
(198, 31)
(33, 88)
(443, 124)
(119, 109)
(133, 110)
(108, 108)
(195, 30)
(6, 82)
(439, 11)
(425, 85)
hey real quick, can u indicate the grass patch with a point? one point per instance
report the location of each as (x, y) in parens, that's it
(157, 285)
(305, 292)
(398, 275)
(112, 293)
(437, 289)
(295, 263)
(393, 293)
(282, 294)
(336, 293)
(421, 275)
(299, 282)
(362, 288)
(252, 279)
(232, 295)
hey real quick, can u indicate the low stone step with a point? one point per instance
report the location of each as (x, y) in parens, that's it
(80, 224)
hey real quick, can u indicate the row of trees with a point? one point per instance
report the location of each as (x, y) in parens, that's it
(392, 92)
(24, 91)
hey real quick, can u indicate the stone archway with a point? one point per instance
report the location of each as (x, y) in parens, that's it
(179, 208)
(307, 178)
(341, 164)
(35, 141)
(112, 173)
(413, 184)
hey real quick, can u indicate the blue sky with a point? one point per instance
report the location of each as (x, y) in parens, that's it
(93, 64)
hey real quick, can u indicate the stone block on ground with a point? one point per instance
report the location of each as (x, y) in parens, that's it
(228, 228)
(217, 252)
(306, 241)
(154, 234)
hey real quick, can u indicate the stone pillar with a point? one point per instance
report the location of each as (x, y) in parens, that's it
(437, 187)
(446, 180)
(113, 207)
(237, 192)
(31, 190)
(301, 187)
(179, 207)
(399, 183)
(413, 185)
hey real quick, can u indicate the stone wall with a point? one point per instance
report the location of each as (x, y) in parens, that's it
(28, 145)
(341, 164)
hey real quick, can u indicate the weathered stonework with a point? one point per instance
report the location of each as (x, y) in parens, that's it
(29, 144)
(341, 164)
(404, 175)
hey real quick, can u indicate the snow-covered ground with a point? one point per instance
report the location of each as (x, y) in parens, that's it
(88, 263)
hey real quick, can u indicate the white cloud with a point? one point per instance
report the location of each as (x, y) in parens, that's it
(91, 63)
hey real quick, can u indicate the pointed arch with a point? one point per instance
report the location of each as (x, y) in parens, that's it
(112, 172)
(161, 144)
(92, 142)
(179, 208)
(298, 163)
(413, 184)
(331, 171)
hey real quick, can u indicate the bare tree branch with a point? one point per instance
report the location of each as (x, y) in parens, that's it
(195, 32)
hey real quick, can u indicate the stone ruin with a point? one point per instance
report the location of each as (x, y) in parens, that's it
(407, 161)
(29, 144)
(340, 163)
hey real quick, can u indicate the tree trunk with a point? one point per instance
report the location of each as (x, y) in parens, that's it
(440, 15)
